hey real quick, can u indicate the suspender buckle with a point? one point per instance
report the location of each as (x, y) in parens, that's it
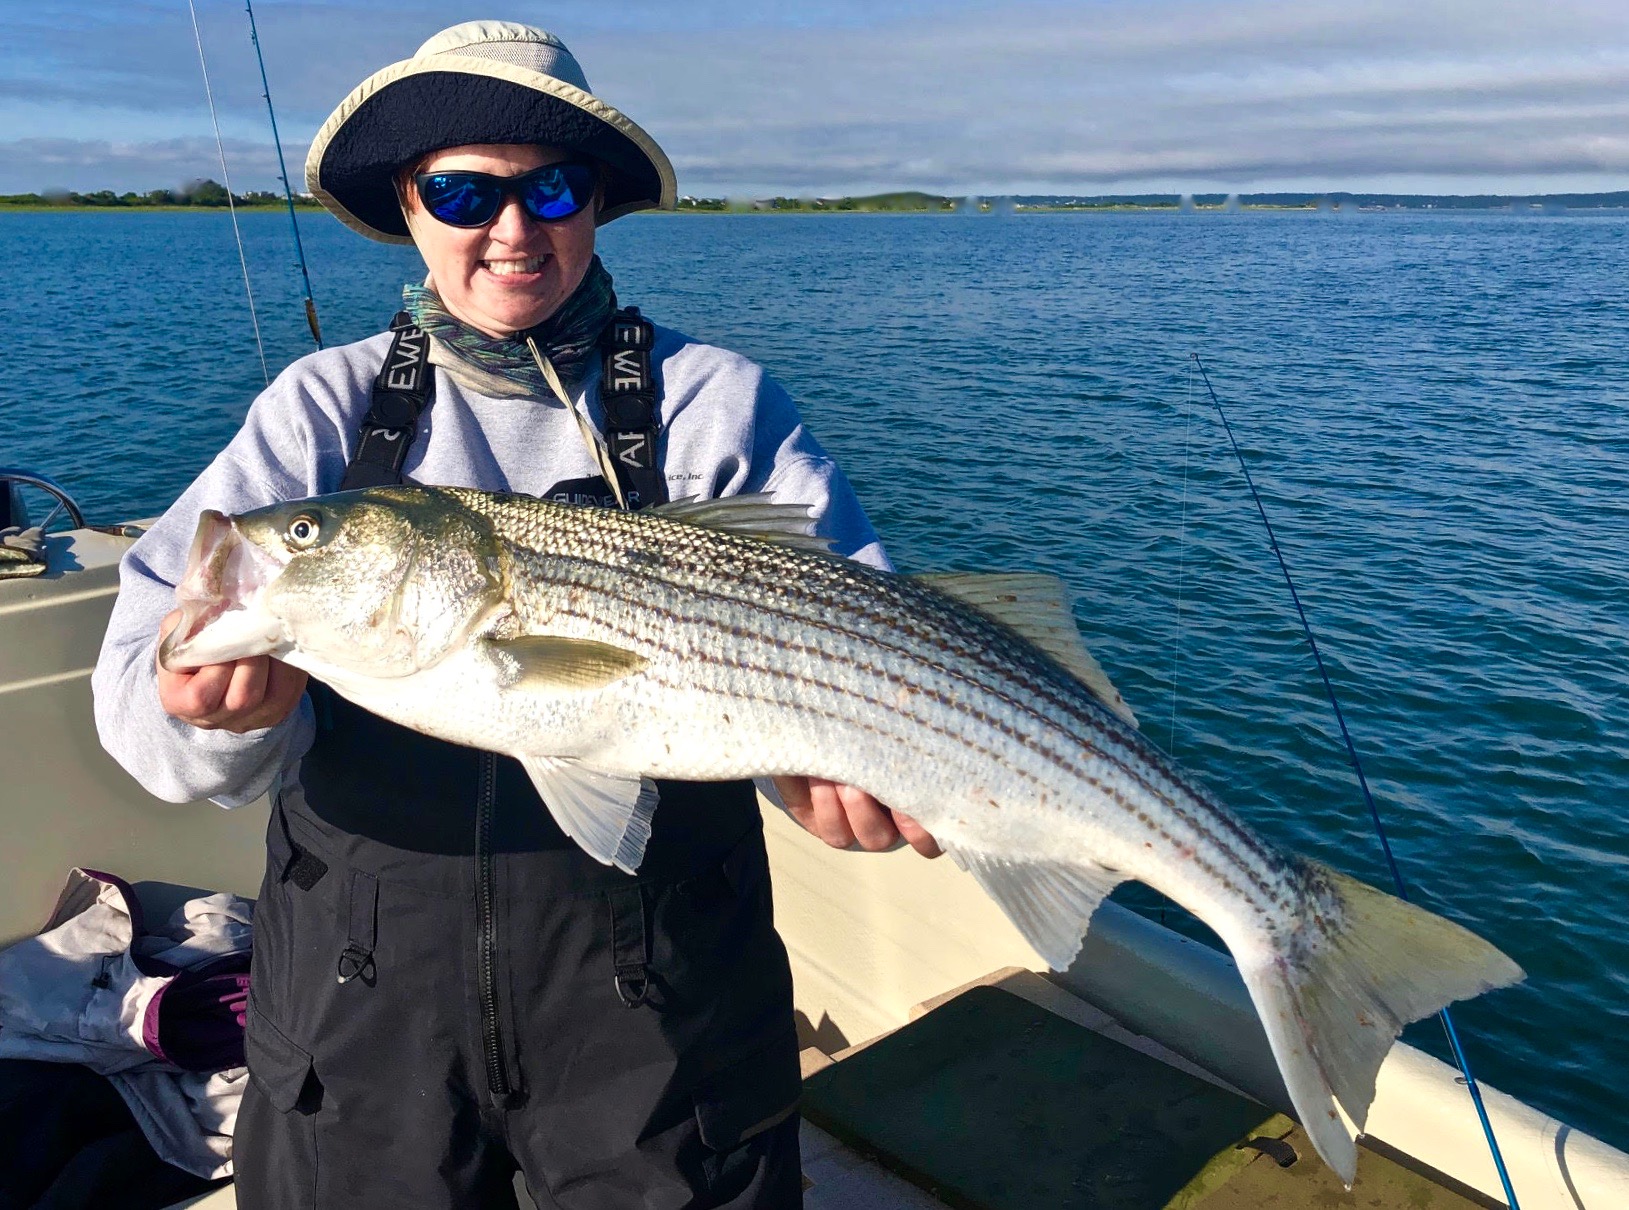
(628, 411)
(355, 963)
(356, 959)
(630, 945)
(633, 985)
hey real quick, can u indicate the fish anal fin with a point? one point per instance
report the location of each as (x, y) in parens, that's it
(1051, 904)
(750, 515)
(608, 814)
(1037, 606)
(554, 663)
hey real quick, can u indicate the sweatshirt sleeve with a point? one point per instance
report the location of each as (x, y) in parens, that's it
(289, 445)
(791, 464)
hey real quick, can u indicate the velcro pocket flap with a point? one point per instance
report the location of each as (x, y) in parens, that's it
(749, 1096)
(280, 1066)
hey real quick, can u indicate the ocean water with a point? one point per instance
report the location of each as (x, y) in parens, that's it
(1433, 406)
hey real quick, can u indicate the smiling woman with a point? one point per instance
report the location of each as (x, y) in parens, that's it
(515, 268)
(503, 999)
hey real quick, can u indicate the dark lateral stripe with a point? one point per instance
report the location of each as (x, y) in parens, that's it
(993, 652)
(1246, 849)
(1066, 761)
(682, 560)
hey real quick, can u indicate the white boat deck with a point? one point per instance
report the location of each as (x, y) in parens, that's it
(838, 1179)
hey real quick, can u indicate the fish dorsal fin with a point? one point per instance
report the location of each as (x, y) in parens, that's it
(1037, 607)
(751, 515)
(1050, 903)
(551, 662)
(608, 814)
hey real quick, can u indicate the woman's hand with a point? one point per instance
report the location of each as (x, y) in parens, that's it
(244, 695)
(841, 815)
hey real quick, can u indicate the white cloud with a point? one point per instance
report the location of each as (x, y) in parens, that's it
(983, 98)
(89, 164)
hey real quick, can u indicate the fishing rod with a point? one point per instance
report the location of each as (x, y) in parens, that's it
(1363, 783)
(282, 175)
(231, 204)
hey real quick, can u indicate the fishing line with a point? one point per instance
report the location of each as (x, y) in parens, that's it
(1182, 560)
(230, 204)
(282, 175)
(1363, 783)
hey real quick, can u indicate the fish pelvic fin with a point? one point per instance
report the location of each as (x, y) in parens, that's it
(607, 814)
(1335, 996)
(1050, 903)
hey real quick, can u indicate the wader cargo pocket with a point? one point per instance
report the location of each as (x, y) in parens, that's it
(275, 1145)
(280, 1067)
(749, 1096)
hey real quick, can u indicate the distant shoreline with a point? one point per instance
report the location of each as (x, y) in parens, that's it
(208, 197)
(1014, 211)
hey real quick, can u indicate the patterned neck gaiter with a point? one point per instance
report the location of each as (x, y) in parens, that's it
(567, 338)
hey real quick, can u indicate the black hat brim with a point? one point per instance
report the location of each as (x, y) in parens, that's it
(353, 169)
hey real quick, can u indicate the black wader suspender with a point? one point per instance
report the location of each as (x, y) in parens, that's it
(628, 395)
(402, 391)
(400, 394)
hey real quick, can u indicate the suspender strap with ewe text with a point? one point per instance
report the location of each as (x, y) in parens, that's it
(400, 394)
(628, 395)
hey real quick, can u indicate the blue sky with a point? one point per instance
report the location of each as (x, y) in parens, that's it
(851, 96)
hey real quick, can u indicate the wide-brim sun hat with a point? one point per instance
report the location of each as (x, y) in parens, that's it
(479, 82)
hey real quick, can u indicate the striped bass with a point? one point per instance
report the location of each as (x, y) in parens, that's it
(717, 640)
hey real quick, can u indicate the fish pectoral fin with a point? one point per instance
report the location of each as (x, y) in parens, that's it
(751, 515)
(608, 814)
(1037, 606)
(551, 662)
(1051, 903)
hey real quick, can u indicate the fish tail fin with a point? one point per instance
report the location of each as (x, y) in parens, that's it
(1335, 995)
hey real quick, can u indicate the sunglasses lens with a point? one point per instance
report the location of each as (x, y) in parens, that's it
(460, 199)
(559, 191)
(471, 199)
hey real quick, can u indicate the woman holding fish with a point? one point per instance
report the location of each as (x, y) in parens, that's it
(446, 987)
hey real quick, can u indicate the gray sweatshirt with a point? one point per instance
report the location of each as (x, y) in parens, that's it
(726, 428)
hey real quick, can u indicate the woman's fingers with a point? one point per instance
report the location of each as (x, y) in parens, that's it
(245, 688)
(830, 820)
(285, 686)
(844, 816)
(917, 836)
(868, 820)
(238, 696)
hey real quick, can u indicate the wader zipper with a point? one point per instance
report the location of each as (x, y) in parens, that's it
(486, 930)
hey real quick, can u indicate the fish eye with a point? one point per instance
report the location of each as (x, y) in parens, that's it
(303, 531)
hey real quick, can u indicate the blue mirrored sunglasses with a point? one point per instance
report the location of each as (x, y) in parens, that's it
(472, 199)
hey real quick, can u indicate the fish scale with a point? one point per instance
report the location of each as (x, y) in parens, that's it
(715, 640)
(692, 600)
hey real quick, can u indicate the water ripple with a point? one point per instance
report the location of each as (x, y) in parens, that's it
(1430, 405)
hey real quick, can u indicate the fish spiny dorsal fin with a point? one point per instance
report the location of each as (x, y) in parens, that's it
(1037, 607)
(550, 662)
(751, 515)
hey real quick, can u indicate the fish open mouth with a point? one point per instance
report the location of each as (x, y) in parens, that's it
(220, 596)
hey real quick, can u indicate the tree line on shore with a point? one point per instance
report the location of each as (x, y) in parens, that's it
(196, 193)
(211, 194)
